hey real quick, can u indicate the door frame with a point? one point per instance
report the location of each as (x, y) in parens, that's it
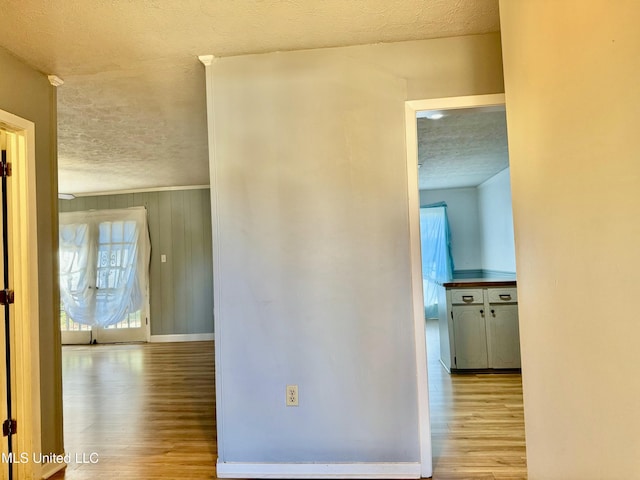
(22, 226)
(412, 107)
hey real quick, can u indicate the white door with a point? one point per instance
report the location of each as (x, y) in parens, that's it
(97, 277)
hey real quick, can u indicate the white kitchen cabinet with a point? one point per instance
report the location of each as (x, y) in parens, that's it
(503, 336)
(470, 333)
(478, 323)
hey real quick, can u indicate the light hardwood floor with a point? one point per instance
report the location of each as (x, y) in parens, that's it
(148, 411)
(477, 421)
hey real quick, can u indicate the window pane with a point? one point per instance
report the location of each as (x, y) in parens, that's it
(68, 325)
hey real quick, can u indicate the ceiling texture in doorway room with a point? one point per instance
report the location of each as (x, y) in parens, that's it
(131, 112)
(462, 149)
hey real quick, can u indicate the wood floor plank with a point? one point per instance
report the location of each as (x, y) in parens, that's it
(477, 421)
(148, 410)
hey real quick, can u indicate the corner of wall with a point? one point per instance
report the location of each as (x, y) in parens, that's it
(56, 337)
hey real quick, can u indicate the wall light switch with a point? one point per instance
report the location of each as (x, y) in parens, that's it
(163, 258)
(292, 395)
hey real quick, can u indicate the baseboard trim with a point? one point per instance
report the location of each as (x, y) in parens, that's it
(187, 337)
(318, 470)
(48, 470)
(444, 366)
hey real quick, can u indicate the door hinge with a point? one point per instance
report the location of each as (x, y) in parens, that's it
(5, 167)
(6, 297)
(455, 361)
(146, 321)
(9, 427)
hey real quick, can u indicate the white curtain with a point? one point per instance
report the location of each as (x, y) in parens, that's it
(104, 257)
(437, 263)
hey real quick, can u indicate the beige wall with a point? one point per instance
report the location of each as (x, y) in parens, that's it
(571, 76)
(28, 94)
(444, 67)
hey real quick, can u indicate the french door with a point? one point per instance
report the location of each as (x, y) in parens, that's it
(134, 328)
(104, 276)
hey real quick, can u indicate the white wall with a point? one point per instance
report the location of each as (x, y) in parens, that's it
(496, 224)
(311, 254)
(463, 214)
(311, 245)
(571, 74)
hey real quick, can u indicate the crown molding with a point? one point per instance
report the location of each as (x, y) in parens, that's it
(55, 80)
(207, 60)
(140, 190)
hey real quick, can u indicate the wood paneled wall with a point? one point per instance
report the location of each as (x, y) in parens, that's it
(181, 290)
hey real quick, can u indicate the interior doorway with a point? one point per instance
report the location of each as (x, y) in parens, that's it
(466, 223)
(437, 383)
(140, 383)
(20, 378)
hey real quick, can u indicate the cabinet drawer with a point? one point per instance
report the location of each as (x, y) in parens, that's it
(503, 295)
(466, 296)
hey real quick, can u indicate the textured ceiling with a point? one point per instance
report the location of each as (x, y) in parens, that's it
(462, 149)
(132, 109)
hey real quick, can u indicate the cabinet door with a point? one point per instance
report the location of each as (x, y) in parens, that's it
(504, 336)
(470, 336)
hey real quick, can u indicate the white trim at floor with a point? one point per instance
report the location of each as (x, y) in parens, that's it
(318, 470)
(186, 337)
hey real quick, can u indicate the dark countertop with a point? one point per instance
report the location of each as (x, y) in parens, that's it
(479, 282)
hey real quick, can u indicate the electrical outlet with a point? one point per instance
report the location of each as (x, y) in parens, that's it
(163, 258)
(292, 395)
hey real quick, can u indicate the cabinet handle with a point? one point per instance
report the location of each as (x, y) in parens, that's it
(505, 296)
(493, 312)
(467, 298)
(482, 313)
